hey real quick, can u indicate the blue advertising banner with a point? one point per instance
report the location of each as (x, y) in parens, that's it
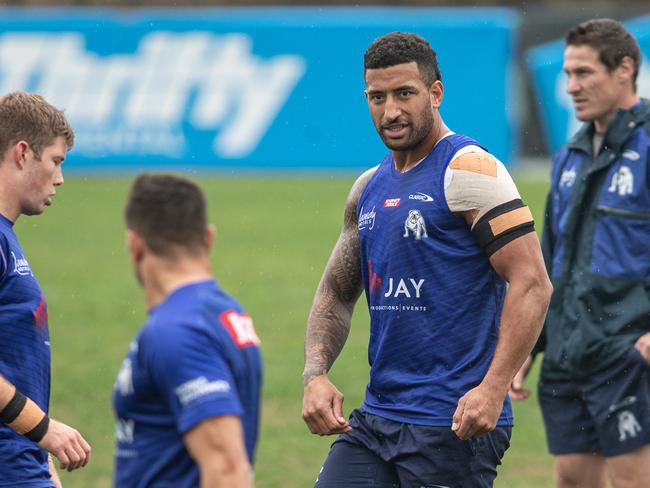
(555, 105)
(247, 87)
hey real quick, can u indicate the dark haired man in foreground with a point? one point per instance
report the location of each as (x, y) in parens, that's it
(187, 395)
(595, 380)
(432, 234)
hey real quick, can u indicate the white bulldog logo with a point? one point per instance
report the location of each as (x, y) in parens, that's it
(627, 425)
(622, 181)
(415, 223)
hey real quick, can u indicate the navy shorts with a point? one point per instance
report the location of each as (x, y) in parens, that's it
(382, 453)
(607, 413)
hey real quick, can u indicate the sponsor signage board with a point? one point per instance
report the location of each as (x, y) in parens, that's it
(247, 87)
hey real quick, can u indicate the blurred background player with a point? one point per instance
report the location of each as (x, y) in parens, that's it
(594, 387)
(432, 234)
(187, 395)
(34, 140)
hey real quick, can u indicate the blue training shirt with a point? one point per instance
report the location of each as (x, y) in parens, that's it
(196, 357)
(435, 301)
(24, 359)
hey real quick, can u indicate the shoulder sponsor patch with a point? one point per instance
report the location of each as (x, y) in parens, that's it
(241, 328)
(21, 266)
(198, 387)
(480, 163)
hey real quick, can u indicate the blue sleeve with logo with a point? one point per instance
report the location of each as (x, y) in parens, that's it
(188, 365)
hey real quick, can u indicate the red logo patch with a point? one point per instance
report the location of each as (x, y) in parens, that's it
(375, 280)
(241, 328)
(391, 202)
(40, 314)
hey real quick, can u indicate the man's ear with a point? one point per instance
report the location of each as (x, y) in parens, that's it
(19, 153)
(210, 234)
(136, 245)
(625, 70)
(436, 93)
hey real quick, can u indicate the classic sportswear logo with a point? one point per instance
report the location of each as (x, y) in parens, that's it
(625, 402)
(631, 155)
(622, 181)
(421, 196)
(144, 102)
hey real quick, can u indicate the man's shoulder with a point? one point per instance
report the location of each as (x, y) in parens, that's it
(360, 185)
(192, 314)
(456, 141)
(366, 176)
(644, 118)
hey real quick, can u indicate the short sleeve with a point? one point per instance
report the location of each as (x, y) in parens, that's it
(4, 256)
(188, 365)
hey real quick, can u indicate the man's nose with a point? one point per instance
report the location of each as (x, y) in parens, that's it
(58, 176)
(392, 109)
(572, 85)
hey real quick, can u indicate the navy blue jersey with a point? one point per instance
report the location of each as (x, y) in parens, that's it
(196, 357)
(24, 358)
(435, 301)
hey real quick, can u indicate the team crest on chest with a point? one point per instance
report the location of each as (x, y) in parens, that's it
(415, 225)
(622, 181)
(568, 178)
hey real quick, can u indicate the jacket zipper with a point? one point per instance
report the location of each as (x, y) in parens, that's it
(619, 212)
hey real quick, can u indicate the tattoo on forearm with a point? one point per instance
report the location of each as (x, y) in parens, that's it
(340, 287)
(329, 321)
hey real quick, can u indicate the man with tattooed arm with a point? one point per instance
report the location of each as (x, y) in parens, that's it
(432, 234)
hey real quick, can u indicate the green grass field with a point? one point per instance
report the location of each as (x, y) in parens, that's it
(273, 238)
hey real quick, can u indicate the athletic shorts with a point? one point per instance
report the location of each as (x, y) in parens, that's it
(607, 413)
(382, 453)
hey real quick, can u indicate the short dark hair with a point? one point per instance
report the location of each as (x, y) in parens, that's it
(399, 48)
(169, 213)
(28, 117)
(610, 39)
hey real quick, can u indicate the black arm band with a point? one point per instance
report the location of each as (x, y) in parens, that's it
(503, 224)
(38, 432)
(13, 408)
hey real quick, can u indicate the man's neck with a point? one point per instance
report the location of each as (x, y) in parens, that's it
(408, 159)
(601, 124)
(9, 206)
(161, 276)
